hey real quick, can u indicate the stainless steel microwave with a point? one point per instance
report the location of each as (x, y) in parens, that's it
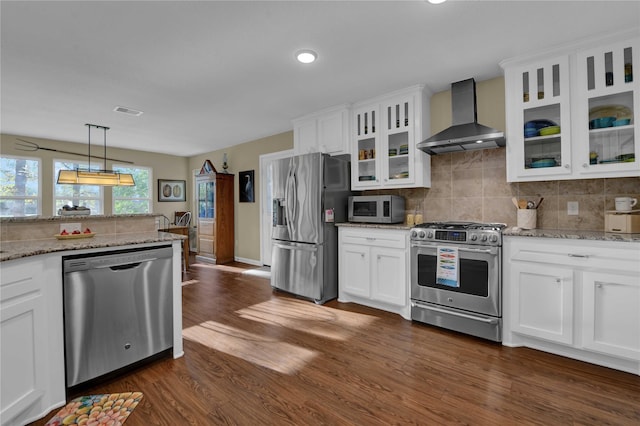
(376, 209)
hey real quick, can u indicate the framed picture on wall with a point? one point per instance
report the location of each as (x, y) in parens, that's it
(246, 185)
(171, 190)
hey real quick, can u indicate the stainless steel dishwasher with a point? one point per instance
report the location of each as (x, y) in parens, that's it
(118, 310)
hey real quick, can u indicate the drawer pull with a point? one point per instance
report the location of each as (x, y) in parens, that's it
(583, 256)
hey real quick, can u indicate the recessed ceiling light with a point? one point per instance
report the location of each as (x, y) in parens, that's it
(306, 56)
(129, 111)
(436, 1)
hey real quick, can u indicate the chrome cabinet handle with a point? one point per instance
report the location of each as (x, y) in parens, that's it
(583, 256)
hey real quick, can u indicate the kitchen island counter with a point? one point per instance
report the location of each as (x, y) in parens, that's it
(32, 305)
(18, 249)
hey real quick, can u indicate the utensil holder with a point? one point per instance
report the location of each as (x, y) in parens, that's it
(527, 218)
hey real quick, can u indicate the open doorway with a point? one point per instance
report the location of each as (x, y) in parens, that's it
(266, 207)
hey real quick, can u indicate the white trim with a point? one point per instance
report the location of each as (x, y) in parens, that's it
(247, 261)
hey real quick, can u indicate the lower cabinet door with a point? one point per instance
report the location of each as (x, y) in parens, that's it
(355, 263)
(542, 298)
(23, 355)
(611, 314)
(389, 276)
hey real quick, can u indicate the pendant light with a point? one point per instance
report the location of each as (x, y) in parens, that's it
(104, 177)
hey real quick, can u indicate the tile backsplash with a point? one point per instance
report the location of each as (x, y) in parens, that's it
(472, 186)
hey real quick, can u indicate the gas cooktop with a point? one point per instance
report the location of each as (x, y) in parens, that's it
(462, 225)
(489, 234)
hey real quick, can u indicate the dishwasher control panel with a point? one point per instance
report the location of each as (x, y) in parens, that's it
(114, 258)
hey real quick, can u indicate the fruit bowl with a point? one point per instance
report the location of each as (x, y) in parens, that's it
(74, 236)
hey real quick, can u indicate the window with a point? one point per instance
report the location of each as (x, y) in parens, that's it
(133, 199)
(19, 186)
(90, 196)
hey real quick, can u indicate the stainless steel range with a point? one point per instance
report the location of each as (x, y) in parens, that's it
(456, 277)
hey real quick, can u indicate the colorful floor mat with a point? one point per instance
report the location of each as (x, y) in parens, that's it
(94, 410)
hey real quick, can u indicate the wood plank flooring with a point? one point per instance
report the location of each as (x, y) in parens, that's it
(258, 357)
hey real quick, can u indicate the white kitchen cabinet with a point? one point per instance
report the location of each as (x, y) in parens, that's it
(324, 131)
(570, 86)
(576, 298)
(544, 297)
(372, 268)
(606, 86)
(32, 353)
(611, 314)
(385, 133)
(535, 93)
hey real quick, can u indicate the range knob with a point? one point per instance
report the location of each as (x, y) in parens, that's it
(474, 237)
(413, 234)
(494, 238)
(484, 238)
(430, 235)
(421, 234)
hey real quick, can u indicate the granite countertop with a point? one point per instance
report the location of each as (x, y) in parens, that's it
(18, 249)
(399, 226)
(570, 234)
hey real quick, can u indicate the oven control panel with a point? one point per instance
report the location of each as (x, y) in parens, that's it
(475, 237)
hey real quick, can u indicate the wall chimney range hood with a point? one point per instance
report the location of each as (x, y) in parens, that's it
(465, 134)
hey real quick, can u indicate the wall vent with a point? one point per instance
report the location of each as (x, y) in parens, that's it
(129, 111)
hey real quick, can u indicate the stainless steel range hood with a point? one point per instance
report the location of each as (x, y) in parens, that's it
(466, 133)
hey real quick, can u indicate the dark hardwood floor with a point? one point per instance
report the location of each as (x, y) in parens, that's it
(258, 357)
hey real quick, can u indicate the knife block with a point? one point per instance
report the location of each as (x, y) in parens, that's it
(622, 222)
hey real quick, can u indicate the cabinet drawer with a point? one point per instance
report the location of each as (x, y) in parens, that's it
(206, 227)
(206, 246)
(584, 254)
(375, 237)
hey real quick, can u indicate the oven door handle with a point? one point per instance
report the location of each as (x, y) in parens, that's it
(488, 251)
(454, 313)
(471, 250)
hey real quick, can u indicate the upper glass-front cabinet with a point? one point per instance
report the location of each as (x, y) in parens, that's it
(206, 197)
(386, 131)
(367, 143)
(398, 133)
(608, 107)
(546, 125)
(540, 121)
(572, 114)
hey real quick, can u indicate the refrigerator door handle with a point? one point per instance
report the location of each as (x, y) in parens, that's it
(296, 247)
(290, 199)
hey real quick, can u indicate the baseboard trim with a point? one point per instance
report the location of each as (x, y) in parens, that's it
(248, 261)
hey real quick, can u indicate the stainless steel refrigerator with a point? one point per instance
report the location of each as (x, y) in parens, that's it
(310, 195)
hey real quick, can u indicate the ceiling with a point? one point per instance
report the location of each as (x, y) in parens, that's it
(212, 74)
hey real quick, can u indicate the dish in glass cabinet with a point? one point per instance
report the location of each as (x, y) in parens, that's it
(401, 175)
(550, 130)
(366, 178)
(543, 162)
(538, 124)
(617, 111)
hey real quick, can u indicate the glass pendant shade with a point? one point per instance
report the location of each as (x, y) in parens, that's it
(95, 177)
